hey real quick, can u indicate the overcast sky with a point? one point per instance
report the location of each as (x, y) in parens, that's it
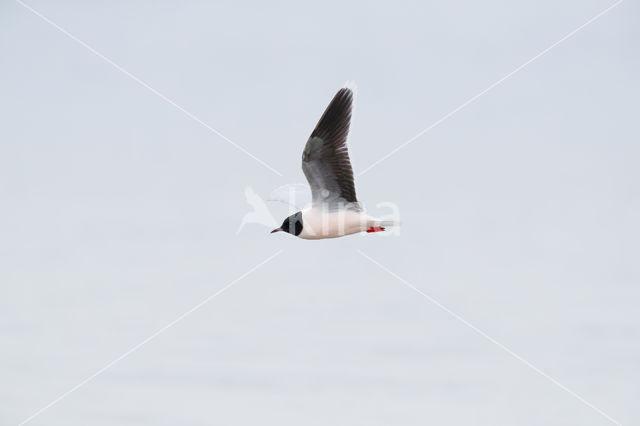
(120, 211)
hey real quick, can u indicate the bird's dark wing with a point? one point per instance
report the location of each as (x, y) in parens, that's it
(325, 159)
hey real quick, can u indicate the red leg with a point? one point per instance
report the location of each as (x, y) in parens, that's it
(375, 229)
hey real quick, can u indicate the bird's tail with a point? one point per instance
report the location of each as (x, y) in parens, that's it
(379, 222)
(376, 225)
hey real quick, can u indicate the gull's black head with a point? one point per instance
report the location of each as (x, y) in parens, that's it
(292, 224)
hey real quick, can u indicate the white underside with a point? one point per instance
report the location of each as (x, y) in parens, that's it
(318, 223)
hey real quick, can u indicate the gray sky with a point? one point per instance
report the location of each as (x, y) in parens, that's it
(120, 213)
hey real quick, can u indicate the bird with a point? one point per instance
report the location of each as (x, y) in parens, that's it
(260, 213)
(335, 210)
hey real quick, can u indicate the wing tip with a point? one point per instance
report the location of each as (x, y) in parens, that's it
(351, 86)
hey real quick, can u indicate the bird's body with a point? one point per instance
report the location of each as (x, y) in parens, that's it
(335, 210)
(319, 223)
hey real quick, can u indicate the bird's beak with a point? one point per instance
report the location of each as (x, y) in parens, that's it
(276, 230)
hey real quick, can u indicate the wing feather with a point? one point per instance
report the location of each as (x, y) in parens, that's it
(325, 159)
